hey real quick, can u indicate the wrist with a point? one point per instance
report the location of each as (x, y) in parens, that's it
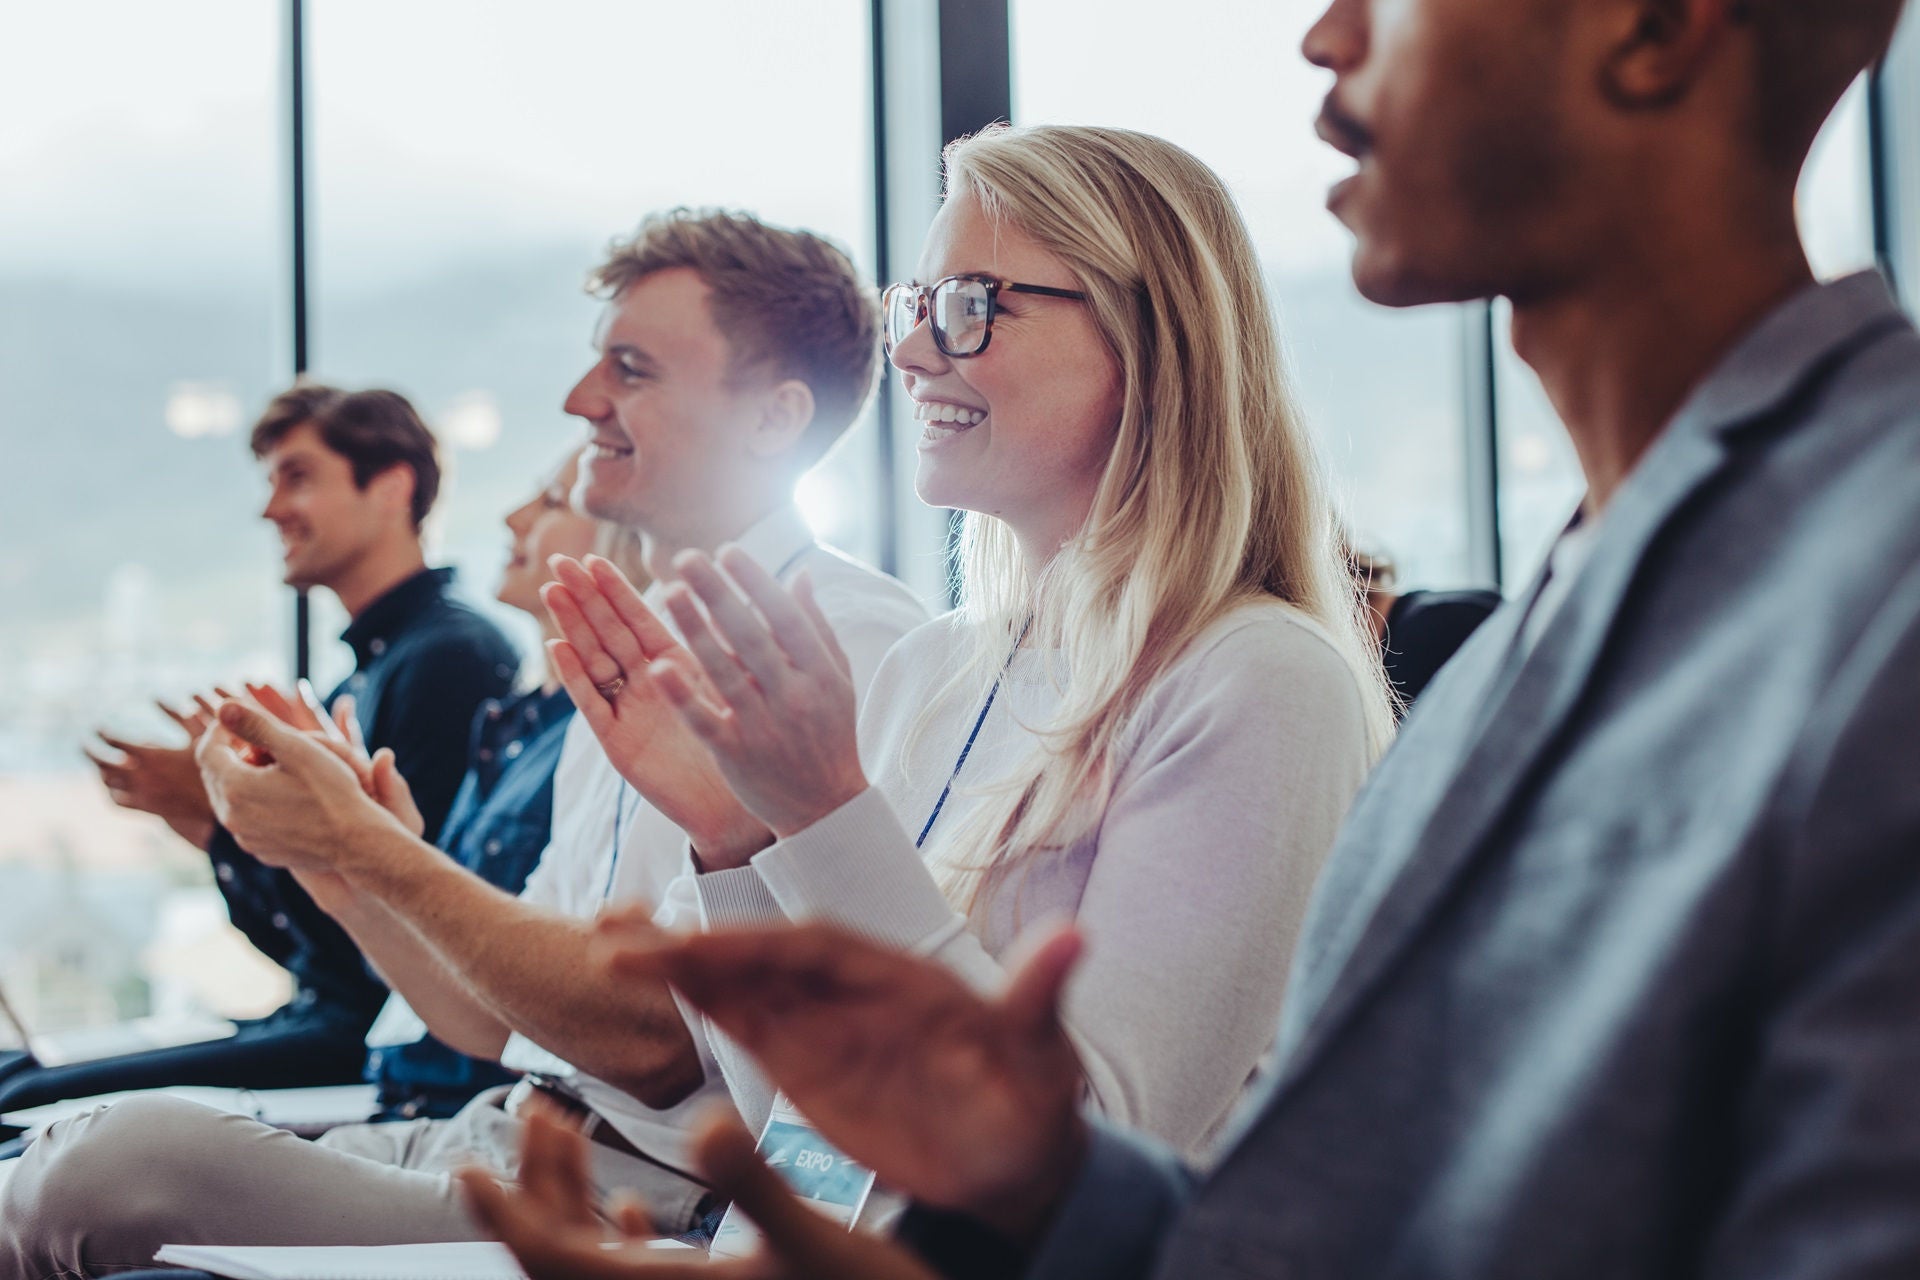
(729, 848)
(831, 802)
(375, 854)
(1022, 1209)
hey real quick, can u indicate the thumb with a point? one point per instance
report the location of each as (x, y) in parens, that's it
(256, 728)
(391, 791)
(1031, 1001)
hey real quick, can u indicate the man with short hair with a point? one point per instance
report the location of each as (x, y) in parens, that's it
(1615, 968)
(732, 354)
(352, 476)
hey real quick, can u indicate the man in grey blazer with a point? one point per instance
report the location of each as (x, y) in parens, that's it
(1615, 969)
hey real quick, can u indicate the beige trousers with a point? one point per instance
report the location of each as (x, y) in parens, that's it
(103, 1191)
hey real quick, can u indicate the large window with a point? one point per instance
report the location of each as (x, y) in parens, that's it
(471, 165)
(1381, 388)
(139, 318)
(469, 161)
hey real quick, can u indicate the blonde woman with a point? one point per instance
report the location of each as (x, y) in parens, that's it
(1155, 701)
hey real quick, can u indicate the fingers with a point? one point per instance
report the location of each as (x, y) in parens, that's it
(347, 720)
(720, 670)
(792, 628)
(553, 1165)
(188, 722)
(572, 672)
(628, 1213)
(589, 620)
(1031, 1002)
(810, 605)
(676, 682)
(745, 632)
(391, 792)
(254, 727)
(100, 762)
(122, 745)
(619, 592)
(354, 760)
(282, 708)
(323, 723)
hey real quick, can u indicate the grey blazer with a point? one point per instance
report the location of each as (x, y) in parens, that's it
(1615, 968)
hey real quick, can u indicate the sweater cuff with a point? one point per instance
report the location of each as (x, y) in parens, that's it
(857, 868)
(735, 896)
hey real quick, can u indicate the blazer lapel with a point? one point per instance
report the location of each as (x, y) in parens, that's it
(1533, 696)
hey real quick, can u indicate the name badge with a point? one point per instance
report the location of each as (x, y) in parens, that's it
(819, 1174)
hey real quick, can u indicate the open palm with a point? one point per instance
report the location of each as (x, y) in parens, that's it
(965, 1103)
(610, 639)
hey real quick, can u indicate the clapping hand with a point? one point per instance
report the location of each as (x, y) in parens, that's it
(966, 1103)
(551, 1222)
(339, 732)
(287, 796)
(610, 642)
(765, 685)
(160, 780)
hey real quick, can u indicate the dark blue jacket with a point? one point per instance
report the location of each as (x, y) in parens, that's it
(424, 663)
(498, 829)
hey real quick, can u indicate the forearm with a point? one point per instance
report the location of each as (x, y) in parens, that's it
(525, 965)
(453, 1012)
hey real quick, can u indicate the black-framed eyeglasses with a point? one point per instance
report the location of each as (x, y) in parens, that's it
(959, 308)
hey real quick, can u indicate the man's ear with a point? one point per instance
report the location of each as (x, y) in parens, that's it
(1660, 48)
(786, 411)
(393, 490)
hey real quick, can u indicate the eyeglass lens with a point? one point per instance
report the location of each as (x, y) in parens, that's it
(958, 310)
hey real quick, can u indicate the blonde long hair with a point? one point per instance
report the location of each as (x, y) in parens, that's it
(1211, 498)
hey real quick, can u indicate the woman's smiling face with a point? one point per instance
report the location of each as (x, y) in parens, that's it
(1033, 417)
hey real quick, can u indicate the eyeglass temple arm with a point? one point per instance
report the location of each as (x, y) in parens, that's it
(1046, 291)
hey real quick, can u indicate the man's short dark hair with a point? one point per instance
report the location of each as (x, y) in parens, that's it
(373, 430)
(786, 301)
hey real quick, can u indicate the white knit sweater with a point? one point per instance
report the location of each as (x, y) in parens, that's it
(1190, 890)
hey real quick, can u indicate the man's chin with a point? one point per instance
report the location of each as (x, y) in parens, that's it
(1398, 279)
(609, 502)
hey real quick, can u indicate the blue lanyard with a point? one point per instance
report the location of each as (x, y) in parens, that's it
(620, 813)
(967, 750)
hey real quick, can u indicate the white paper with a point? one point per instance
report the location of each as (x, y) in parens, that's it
(470, 1260)
(310, 1110)
(456, 1260)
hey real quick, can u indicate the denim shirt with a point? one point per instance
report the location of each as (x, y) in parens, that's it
(498, 829)
(423, 663)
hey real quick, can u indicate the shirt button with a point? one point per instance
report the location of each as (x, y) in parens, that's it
(493, 709)
(514, 749)
(377, 647)
(492, 847)
(486, 753)
(223, 873)
(281, 922)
